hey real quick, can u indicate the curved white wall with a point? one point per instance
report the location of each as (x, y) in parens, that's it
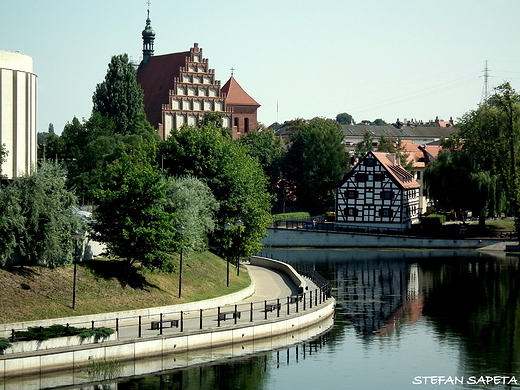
(18, 111)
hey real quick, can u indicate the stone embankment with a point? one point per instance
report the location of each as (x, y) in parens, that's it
(287, 238)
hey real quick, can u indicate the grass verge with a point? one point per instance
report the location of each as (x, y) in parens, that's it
(105, 285)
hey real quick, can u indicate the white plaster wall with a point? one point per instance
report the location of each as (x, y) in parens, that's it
(18, 120)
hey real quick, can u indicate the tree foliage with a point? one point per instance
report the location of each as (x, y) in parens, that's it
(195, 208)
(267, 148)
(130, 216)
(454, 183)
(3, 156)
(362, 148)
(119, 97)
(488, 144)
(36, 220)
(87, 148)
(345, 119)
(316, 162)
(379, 122)
(235, 178)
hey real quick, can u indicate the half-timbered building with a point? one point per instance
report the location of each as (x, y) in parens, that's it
(378, 193)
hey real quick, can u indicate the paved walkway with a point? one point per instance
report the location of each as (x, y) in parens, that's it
(271, 288)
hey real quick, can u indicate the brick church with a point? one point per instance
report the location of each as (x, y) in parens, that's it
(180, 87)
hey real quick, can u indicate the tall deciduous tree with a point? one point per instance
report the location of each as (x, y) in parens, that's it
(316, 162)
(119, 97)
(36, 220)
(130, 216)
(235, 178)
(345, 119)
(267, 148)
(195, 208)
(362, 148)
(454, 183)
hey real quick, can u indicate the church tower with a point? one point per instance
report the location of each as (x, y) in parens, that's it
(148, 39)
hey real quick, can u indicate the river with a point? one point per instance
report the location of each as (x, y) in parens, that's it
(404, 320)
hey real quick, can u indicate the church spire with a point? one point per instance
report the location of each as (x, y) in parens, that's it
(148, 38)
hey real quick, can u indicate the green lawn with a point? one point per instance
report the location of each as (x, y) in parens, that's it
(32, 293)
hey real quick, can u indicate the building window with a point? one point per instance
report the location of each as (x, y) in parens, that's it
(351, 212)
(352, 194)
(387, 195)
(361, 177)
(246, 125)
(386, 213)
(379, 176)
(235, 122)
(418, 175)
(369, 162)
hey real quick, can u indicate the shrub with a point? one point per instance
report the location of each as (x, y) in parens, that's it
(4, 344)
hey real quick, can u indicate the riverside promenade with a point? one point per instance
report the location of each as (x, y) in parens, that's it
(281, 302)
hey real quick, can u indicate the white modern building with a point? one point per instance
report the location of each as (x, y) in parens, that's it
(18, 112)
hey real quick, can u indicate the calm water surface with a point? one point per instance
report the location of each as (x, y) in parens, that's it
(404, 321)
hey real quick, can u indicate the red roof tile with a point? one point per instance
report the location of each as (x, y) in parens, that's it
(156, 79)
(236, 96)
(403, 177)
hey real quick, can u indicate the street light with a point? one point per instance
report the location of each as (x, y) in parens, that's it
(239, 225)
(228, 227)
(181, 230)
(76, 236)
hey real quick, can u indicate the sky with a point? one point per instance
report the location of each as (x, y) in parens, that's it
(389, 59)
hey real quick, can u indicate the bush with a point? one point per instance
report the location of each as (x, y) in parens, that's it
(40, 333)
(4, 344)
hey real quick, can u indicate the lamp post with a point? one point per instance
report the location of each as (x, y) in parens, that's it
(181, 230)
(76, 236)
(239, 225)
(228, 227)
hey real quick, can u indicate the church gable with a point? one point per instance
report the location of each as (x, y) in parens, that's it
(180, 87)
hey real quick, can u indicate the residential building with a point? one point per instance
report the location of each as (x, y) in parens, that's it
(378, 194)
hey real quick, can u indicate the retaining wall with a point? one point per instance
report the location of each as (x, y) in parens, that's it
(323, 239)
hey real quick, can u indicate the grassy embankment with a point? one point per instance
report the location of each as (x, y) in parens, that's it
(32, 293)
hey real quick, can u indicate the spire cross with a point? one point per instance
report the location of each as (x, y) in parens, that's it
(232, 70)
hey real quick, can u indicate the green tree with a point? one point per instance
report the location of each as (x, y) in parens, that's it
(386, 144)
(379, 122)
(362, 148)
(119, 97)
(3, 156)
(36, 220)
(267, 148)
(130, 216)
(490, 136)
(195, 208)
(345, 119)
(87, 147)
(235, 178)
(316, 162)
(454, 183)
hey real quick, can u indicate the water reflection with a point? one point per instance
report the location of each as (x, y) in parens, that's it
(251, 374)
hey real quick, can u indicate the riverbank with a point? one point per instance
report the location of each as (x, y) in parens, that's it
(256, 322)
